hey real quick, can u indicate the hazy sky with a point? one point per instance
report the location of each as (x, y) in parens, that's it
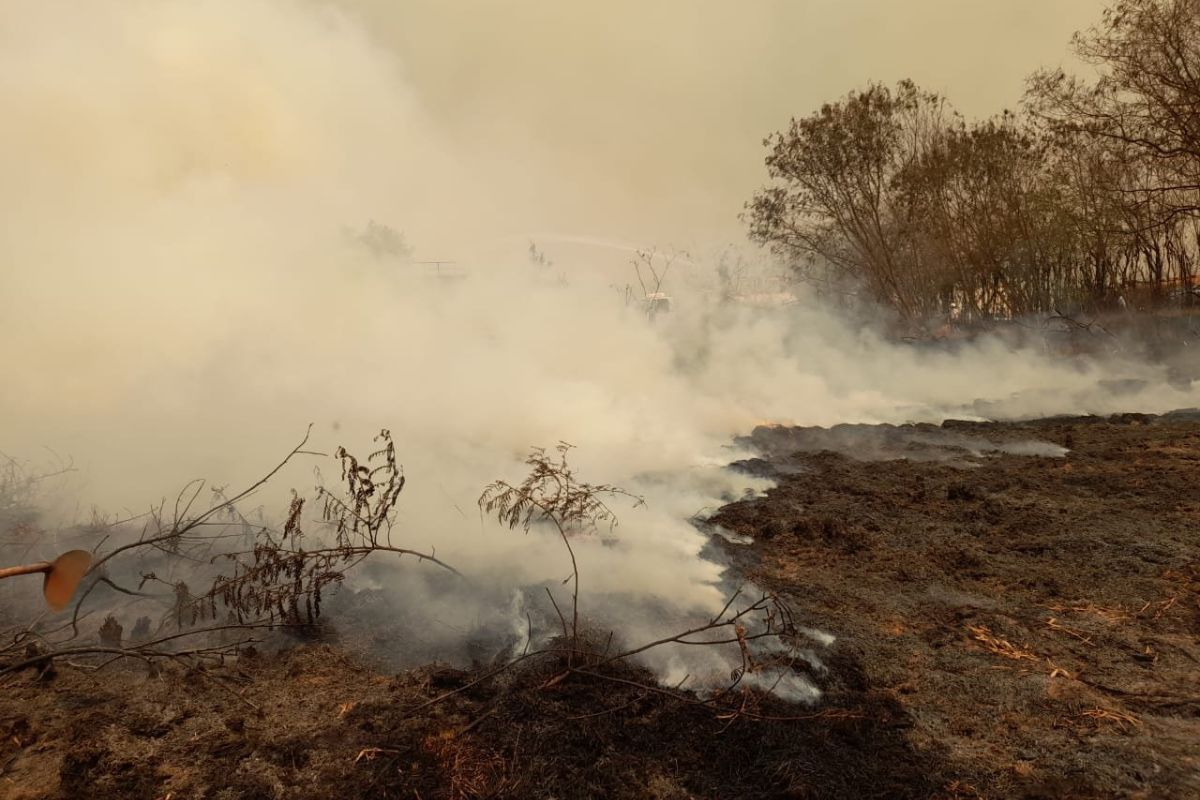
(178, 179)
(644, 120)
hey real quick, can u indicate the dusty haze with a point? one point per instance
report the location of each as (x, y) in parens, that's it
(643, 120)
(182, 294)
(179, 179)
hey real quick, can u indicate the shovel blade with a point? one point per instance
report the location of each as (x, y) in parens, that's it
(64, 576)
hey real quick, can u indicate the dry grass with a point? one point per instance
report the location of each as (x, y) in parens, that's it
(1111, 614)
(473, 771)
(1121, 719)
(998, 646)
(1053, 624)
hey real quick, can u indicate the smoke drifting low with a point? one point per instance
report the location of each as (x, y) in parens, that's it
(180, 298)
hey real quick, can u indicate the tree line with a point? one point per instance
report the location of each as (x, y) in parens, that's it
(1087, 199)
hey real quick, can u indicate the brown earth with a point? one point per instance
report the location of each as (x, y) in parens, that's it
(1036, 618)
(1009, 625)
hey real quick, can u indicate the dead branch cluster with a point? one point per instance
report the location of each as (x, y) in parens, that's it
(251, 577)
(211, 583)
(19, 488)
(651, 267)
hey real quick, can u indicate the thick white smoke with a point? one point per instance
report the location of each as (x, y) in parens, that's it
(179, 297)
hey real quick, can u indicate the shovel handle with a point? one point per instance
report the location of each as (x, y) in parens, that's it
(27, 569)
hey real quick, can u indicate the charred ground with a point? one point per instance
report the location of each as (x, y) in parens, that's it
(1035, 617)
(1009, 625)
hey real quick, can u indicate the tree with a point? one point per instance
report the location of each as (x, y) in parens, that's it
(833, 205)
(988, 219)
(1145, 100)
(1092, 195)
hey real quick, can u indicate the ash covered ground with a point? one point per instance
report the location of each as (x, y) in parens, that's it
(1016, 613)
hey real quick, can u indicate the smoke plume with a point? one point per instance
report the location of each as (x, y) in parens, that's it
(188, 281)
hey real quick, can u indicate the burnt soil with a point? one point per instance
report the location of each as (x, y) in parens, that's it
(1008, 625)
